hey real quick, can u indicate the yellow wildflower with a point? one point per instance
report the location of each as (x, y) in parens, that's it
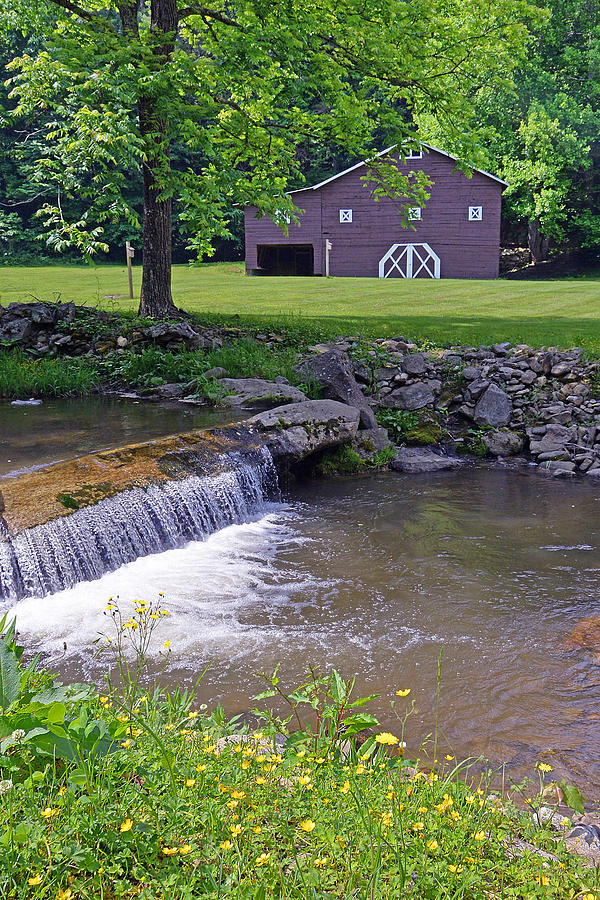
(403, 693)
(231, 804)
(123, 718)
(126, 825)
(544, 767)
(345, 787)
(235, 829)
(455, 869)
(360, 769)
(238, 795)
(200, 768)
(320, 861)
(190, 782)
(35, 879)
(304, 779)
(187, 848)
(432, 845)
(263, 860)
(103, 699)
(386, 738)
(418, 826)
(448, 757)
(245, 765)
(64, 895)
(126, 743)
(225, 845)
(166, 645)
(479, 835)
(257, 829)
(170, 851)
(261, 780)
(49, 812)
(62, 791)
(543, 880)
(308, 825)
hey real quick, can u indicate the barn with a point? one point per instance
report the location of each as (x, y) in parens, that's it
(343, 231)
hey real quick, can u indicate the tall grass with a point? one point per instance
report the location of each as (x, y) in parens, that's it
(22, 377)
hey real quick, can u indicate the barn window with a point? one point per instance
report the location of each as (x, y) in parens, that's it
(345, 215)
(475, 213)
(415, 153)
(414, 213)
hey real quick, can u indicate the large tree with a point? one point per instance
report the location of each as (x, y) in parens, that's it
(244, 83)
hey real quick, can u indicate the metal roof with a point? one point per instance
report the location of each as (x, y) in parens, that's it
(321, 184)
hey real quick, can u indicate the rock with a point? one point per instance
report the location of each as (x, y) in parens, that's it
(556, 438)
(18, 331)
(122, 342)
(413, 460)
(503, 442)
(299, 429)
(249, 392)
(175, 333)
(471, 373)
(332, 371)
(494, 407)
(501, 349)
(561, 468)
(170, 391)
(410, 397)
(370, 441)
(593, 473)
(477, 387)
(414, 364)
(560, 369)
(30, 402)
(215, 372)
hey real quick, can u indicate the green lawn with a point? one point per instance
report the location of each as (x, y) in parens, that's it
(564, 313)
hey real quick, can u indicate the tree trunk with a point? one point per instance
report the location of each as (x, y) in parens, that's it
(538, 244)
(155, 297)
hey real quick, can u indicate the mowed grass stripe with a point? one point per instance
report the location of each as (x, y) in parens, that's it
(560, 312)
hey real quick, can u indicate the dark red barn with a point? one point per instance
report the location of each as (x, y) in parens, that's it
(344, 232)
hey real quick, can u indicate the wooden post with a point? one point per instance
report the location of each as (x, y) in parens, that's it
(129, 254)
(328, 247)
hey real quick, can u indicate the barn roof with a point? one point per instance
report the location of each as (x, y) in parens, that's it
(321, 184)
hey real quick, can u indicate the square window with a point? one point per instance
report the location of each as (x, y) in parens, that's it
(475, 213)
(414, 213)
(345, 215)
(413, 153)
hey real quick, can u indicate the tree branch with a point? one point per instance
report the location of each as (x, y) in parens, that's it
(209, 14)
(76, 9)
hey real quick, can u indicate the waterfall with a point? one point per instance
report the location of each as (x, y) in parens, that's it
(98, 539)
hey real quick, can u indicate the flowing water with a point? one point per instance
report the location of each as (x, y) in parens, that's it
(376, 576)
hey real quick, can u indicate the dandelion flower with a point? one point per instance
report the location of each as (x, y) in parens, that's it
(386, 738)
(190, 782)
(403, 693)
(225, 845)
(544, 767)
(126, 825)
(167, 644)
(261, 780)
(35, 879)
(308, 825)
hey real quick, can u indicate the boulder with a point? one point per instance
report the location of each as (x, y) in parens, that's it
(494, 407)
(299, 429)
(410, 397)
(17, 331)
(248, 392)
(215, 372)
(333, 372)
(503, 442)
(555, 439)
(413, 460)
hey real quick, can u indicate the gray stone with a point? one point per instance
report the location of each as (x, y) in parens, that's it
(561, 467)
(19, 331)
(248, 392)
(332, 371)
(421, 459)
(122, 342)
(594, 472)
(299, 429)
(215, 372)
(493, 408)
(470, 373)
(503, 442)
(414, 364)
(560, 369)
(477, 387)
(556, 438)
(170, 391)
(175, 333)
(410, 397)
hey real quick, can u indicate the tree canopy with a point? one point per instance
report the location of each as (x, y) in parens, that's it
(224, 104)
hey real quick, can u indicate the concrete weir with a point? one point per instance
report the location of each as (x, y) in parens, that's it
(75, 520)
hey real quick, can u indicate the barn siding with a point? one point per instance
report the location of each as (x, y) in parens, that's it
(467, 249)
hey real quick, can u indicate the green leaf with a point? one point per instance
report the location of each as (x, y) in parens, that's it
(359, 722)
(362, 700)
(572, 797)
(10, 679)
(337, 687)
(263, 695)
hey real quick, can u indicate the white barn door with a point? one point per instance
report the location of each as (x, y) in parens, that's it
(409, 261)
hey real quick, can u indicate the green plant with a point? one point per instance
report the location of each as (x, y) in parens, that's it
(473, 442)
(342, 460)
(421, 427)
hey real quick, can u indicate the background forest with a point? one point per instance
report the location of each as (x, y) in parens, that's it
(538, 130)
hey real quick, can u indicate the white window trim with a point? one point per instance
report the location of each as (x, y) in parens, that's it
(476, 214)
(415, 213)
(414, 154)
(346, 216)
